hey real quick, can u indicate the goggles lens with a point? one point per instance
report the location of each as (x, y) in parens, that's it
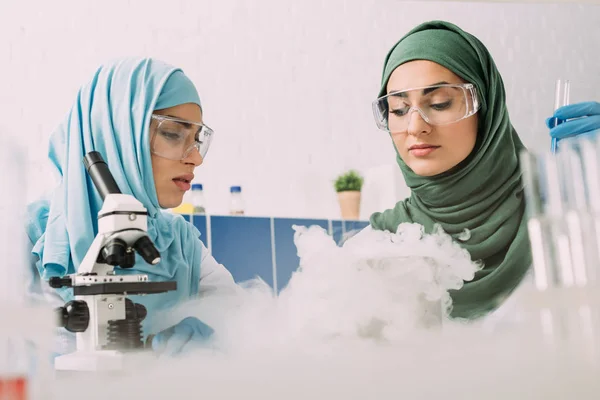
(175, 139)
(438, 105)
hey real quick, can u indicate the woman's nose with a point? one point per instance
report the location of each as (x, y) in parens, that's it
(194, 157)
(417, 124)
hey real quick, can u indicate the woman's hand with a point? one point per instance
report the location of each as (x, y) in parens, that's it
(183, 337)
(575, 120)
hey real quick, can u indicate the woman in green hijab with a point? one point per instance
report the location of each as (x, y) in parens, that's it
(442, 100)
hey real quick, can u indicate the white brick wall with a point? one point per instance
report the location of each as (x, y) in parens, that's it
(286, 85)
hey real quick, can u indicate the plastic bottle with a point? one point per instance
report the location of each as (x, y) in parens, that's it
(237, 203)
(198, 199)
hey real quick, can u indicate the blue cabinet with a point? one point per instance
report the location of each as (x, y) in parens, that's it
(251, 247)
(244, 246)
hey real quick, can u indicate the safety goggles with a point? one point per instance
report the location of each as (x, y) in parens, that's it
(175, 138)
(441, 104)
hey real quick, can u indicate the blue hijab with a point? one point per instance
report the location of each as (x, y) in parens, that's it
(111, 115)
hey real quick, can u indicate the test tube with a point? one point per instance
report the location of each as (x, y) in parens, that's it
(551, 252)
(561, 98)
(590, 155)
(577, 161)
(546, 206)
(562, 192)
(577, 218)
(543, 263)
(555, 209)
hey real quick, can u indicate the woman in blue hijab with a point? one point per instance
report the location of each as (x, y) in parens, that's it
(145, 118)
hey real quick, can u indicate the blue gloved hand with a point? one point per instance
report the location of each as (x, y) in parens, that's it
(188, 333)
(587, 120)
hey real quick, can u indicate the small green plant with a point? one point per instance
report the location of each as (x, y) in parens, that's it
(351, 180)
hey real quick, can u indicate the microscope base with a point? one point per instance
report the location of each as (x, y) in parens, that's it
(104, 360)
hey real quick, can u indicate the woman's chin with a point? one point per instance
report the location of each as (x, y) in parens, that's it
(170, 202)
(426, 169)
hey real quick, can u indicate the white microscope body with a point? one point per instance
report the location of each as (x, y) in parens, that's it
(107, 324)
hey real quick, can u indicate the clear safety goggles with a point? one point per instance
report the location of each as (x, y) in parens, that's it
(437, 104)
(175, 138)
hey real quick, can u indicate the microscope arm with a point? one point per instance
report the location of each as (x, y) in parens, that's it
(89, 264)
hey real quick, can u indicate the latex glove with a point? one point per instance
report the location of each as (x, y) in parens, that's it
(188, 333)
(587, 120)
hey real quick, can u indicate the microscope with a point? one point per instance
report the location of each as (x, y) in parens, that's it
(107, 324)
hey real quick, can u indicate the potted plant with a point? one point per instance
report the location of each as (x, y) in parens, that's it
(348, 187)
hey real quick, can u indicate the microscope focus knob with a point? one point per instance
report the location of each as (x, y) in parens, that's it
(57, 282)
(74, 316)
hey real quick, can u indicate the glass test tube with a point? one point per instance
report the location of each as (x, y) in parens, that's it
(562, 94)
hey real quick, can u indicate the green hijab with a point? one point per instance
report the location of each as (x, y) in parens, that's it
(483, 194)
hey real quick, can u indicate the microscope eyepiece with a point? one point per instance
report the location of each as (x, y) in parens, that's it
(100, 174)
(147, 250)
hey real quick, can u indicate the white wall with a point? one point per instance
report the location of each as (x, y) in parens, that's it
(286, 85)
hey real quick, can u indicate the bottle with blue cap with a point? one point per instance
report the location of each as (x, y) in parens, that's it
(237, 204)
(198, 199)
